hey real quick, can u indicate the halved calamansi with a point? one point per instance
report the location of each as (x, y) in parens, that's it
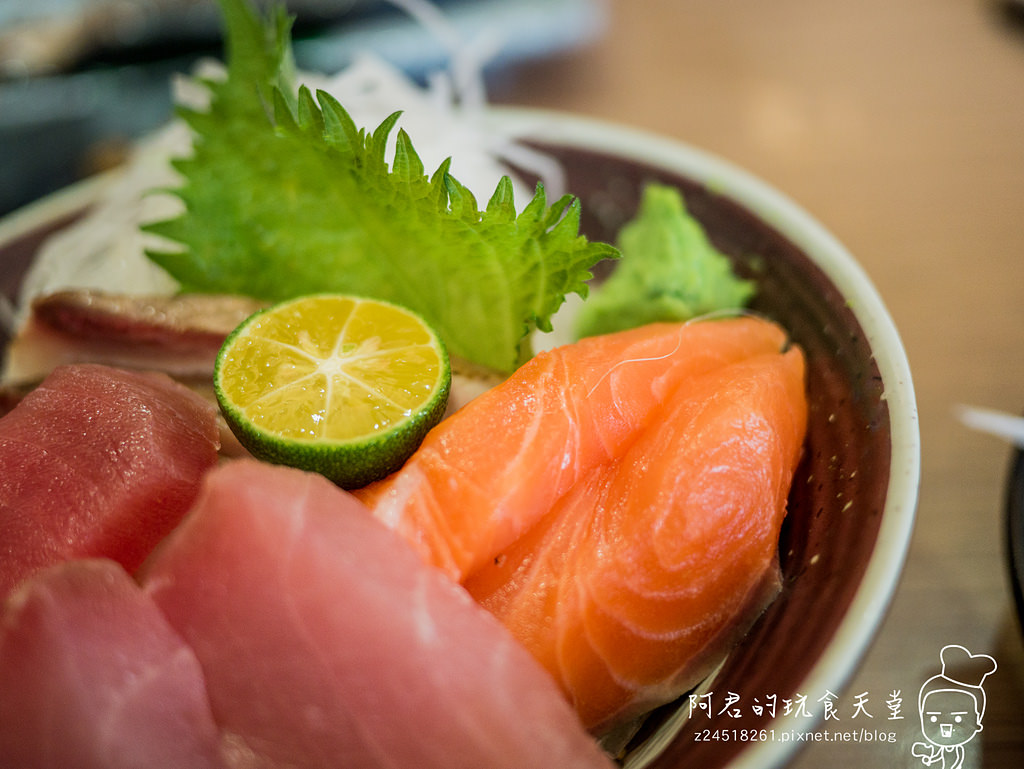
(341, 385)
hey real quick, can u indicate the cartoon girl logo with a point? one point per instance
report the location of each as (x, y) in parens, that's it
(952, 705)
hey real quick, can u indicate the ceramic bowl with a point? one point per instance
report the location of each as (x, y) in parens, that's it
(852, 504)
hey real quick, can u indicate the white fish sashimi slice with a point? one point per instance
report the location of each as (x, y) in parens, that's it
(179, 335)
(93, 677)
(326, 641)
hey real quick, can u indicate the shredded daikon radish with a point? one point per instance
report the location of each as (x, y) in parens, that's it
(105, 248)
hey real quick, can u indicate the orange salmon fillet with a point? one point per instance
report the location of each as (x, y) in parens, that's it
(486, 475)
(642, 576)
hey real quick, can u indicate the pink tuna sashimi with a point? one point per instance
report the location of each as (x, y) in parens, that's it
(98, 462)
(93, 677)
(326, 641)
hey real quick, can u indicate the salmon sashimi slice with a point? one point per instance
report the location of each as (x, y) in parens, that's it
(326, 641)
(641, 578)
(99, 462)
(485, 475)
(93, 677)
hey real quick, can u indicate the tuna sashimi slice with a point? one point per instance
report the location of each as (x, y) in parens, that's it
(487, 474)
(644, 575)
(98, 462)
(326, 641)
(93, 677)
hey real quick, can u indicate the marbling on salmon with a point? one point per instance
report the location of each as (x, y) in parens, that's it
(639, 580)
(617, 503)
(491, 471)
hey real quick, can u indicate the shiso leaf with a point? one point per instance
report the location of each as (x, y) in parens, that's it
(284, 195)
(669, 271)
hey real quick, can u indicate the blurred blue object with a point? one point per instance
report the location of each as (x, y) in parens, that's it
(513, 30)
(78, 75)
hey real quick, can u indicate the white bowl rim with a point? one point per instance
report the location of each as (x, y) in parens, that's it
(871, 601)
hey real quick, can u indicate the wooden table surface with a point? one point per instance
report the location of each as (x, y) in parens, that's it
(899, 124)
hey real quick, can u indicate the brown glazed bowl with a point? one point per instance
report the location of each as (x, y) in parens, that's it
(852, 505)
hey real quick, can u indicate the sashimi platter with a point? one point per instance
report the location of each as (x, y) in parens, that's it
(357, 423)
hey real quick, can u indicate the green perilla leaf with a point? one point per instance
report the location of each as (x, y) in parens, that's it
(284, 195)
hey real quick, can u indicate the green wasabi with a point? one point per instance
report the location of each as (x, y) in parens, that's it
(669, 271)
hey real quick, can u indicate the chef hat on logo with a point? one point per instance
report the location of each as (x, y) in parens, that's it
(961, 670)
